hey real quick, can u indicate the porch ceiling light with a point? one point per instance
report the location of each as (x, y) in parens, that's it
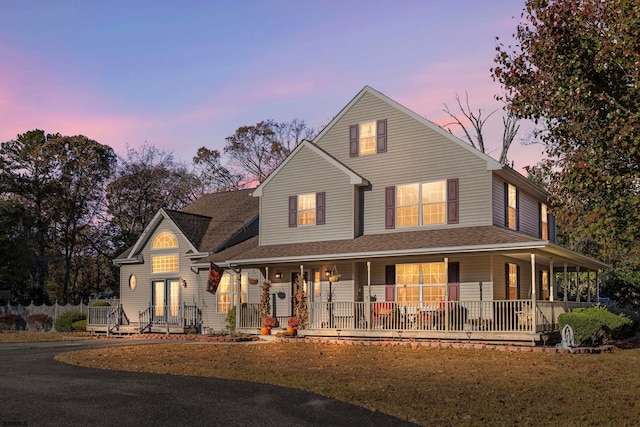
(278, 275)
(327, 273)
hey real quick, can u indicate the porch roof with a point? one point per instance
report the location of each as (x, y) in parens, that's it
(423, 242)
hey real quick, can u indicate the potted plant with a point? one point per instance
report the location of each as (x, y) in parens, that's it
(269, 323)
(292, 326)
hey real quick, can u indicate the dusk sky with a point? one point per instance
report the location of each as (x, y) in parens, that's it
(181, 75)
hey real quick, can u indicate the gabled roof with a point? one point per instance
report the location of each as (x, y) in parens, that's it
(492, 164)
(354, 178)
(208, 223)
(229, 211)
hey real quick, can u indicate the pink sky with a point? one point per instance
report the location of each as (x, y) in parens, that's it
(181, 77)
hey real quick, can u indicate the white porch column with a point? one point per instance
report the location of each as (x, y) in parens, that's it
(533, 292)
(302, 278)
(597, 287)
(566, 286)
(589, 286)
(368, 304)
(446, 294)
(552, 282)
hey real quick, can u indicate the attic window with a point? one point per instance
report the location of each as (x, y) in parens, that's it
(368, 138)
(165, 240)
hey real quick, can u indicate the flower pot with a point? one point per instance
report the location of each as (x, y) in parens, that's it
(291, 331)
(265, 331)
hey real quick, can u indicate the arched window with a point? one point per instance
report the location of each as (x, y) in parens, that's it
(165, 240)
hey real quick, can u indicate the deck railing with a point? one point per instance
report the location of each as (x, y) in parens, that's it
(455, 316)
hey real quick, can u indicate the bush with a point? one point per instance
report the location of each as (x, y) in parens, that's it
(633, 315)
(64, 322)
(231, 319)
(11, 322)
(591, 326)
(101, 304)
(39, 323)
(79, 325)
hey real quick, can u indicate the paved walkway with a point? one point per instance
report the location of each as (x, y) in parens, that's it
(35, 390)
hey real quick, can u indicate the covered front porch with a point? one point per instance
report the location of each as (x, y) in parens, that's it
(516, 320)
(511, 294)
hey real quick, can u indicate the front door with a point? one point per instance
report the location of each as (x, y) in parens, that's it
(166, 300)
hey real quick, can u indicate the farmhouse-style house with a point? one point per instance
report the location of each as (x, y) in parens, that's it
(390, 226)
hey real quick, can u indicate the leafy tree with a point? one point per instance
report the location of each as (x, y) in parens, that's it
(27, 180)
(574, 70)
(211, 175)
(17, 250)
(259, 149)
(146, 180)
(81, 167)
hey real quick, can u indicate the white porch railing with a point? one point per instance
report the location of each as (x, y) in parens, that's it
(454, 316)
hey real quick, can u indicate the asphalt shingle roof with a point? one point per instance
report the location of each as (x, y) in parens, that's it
(446, 239)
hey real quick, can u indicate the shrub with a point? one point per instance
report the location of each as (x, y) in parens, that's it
(633, 315)
(11, 322)
(231, 319)
(101, 304)
(79, 325)
(64, 322)
(39, 323)
(591, 326)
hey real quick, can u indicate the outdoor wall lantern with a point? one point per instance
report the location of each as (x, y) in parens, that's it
(278, 275)
(183, 282)
(327, 273)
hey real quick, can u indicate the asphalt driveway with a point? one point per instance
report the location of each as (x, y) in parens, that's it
(36, 390)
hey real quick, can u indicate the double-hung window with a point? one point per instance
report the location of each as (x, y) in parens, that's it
(307, 209)
(368, 137)
(512, 272)
(421, 284)
(230, 289)
(511, 206)
(421, 204)
(425, 203)
(544, 222)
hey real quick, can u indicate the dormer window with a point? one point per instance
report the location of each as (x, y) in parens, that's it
(368, 138)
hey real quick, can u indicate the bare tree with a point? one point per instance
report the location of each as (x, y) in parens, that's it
(477, 122)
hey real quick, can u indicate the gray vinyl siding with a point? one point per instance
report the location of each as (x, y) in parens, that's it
(415, 153)
(499, 279)
(139, 299)
(498, 201)
(307, 173)
(529, 216)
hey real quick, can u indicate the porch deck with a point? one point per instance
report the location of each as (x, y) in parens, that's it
(155, 319)
(514, 320)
